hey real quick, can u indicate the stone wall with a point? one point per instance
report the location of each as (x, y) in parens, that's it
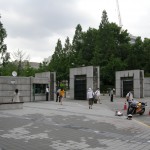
(8, 84)
(147, 87)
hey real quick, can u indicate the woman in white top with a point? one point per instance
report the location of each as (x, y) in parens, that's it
(98, 94)
(16, 96)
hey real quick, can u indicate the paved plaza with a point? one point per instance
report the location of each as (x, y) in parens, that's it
(73, 126)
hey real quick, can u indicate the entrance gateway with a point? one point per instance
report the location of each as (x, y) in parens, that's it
(81, 79)
(130, 80)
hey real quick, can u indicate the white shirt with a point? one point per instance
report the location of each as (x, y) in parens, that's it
(111, 92)
(16, 97)
(97, 93)
(47, 90)
(130, 95)
(90, 94)
(58, 90)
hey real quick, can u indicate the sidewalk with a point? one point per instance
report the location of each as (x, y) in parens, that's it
(71, 126)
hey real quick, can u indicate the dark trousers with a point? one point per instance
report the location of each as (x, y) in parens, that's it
(129, 102)
(111, 98)
(91, 101)
(47, 94)
(57, 97)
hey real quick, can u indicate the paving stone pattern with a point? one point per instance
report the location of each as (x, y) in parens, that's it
(71, 126)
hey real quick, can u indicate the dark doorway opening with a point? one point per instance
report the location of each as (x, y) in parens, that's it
(127, 86)
(80, 87)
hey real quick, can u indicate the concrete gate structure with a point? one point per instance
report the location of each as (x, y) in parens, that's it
(30, 88)
(130, 80)
(147, 87)
(83, 78)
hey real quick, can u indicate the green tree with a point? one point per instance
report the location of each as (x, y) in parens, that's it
(56, 64)
(77, 45)
(88, 47)
(104, 20)
(146, 57)
(136, 55)
(101, 46)
(28, 70)
(8, 69)
(43, 67)
(112, 46)
(3, 48)
(108, 47)
(66, 59)
(108, 71)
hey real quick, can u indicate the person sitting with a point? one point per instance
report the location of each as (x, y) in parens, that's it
(16, 96)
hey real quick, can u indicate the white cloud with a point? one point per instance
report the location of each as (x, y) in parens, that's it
(35, 26)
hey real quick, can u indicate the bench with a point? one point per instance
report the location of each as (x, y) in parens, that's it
(11, 105)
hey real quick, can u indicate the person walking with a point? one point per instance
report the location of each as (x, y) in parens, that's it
(61, 95)
(16, 96)
(90, 97)
(47, 93)
(57, 94)
(98, 94)
(111, 95)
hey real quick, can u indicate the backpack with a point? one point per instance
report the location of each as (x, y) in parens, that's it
(61, 93)
(94, 95)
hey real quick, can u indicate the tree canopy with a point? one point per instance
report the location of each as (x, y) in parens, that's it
(108, 47)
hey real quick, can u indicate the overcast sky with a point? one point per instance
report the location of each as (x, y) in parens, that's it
(34, 26)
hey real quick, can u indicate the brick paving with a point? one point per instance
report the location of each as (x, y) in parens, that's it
(72, 126)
